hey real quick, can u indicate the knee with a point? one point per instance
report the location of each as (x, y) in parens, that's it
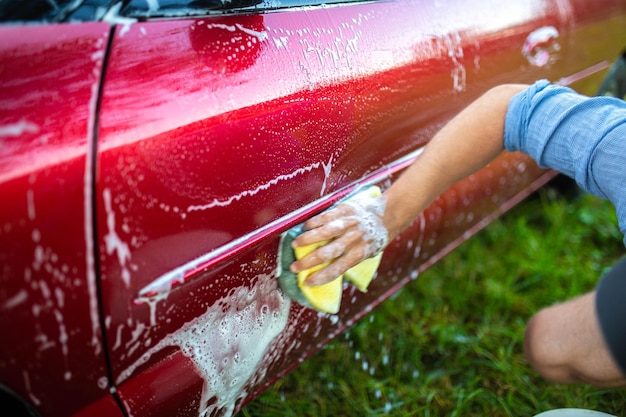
(564, 344)
(543, 350)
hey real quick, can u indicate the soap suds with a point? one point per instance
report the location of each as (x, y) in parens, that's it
(113, 241)
(228, 343)
(368, 214)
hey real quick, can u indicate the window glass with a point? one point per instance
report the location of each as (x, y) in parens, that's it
(53, 11)
(164, 8)
(95, 10)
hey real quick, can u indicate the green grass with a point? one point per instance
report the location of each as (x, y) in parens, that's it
(450, 343)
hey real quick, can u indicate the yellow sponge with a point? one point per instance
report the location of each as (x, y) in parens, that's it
(361, 275)
(327, 297)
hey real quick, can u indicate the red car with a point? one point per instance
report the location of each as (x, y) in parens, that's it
(153, 152)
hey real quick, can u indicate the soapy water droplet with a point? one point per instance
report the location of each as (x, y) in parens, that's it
(385, 360)
(103, 382)
(541, 45)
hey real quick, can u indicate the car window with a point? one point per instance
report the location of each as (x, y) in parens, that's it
(171, 8)
(12, 11)
(53, 11)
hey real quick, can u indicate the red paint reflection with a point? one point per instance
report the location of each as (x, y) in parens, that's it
(228, 47)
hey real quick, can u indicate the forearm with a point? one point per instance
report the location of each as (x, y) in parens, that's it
(466, 144)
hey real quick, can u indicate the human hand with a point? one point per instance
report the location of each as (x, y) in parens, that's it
(356, 232)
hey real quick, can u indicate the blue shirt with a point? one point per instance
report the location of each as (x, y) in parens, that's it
(581, 137)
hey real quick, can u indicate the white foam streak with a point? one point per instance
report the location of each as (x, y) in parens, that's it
(113, 17)
(18, 129)
(15, 301)
(227, 201)
(260, 35)
(113, 241)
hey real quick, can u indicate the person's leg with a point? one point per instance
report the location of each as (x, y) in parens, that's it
(565, 344)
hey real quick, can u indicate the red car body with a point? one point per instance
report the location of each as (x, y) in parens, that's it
(149, 166)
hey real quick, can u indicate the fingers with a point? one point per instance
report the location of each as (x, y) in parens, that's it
(333, 270)
(354, 232)
(334, 229)
(337, 267)
(326, 226)
(329, 251)
(336, 213)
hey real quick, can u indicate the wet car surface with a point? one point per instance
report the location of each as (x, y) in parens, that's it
(152, 153)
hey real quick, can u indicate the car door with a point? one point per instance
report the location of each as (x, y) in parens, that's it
(219, 131)
(49, 308)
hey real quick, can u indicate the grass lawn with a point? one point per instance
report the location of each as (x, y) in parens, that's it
(450, 343)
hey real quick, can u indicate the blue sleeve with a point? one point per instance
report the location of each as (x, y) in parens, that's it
(581, 137)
